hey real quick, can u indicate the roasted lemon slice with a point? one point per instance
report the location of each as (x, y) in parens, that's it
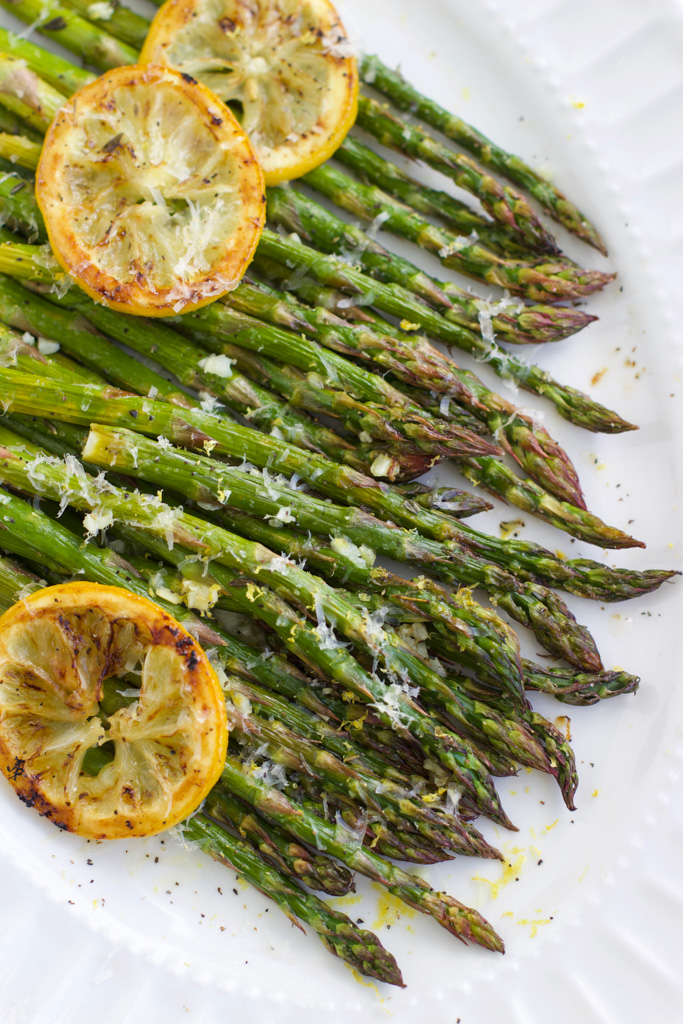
(57, 648)
(283, 65)
(151, 193)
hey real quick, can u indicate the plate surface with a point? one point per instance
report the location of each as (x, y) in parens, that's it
(593, 93)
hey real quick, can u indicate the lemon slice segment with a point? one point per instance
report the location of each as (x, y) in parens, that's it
(151, 194)
(57, 648)
(283, 64)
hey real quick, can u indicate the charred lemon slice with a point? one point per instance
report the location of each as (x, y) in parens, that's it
(160, 752)
(282, 65)
(151, 194)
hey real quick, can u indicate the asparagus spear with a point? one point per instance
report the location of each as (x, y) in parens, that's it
(18, 201)
(16, 582)
(465, 924)
(559, 753)
(419, 362)
(307, 907)
(311, 724)
(516, 323)
(530, 603)
(358, 947)
(373, 169)
(570, 402)
(442, 832)
(403, 431)
(317, 871)
(392, 798)
(300, 587)
(542, 280)
(396, 301)
(26, 95)
(485, 642)
(460, 504)
(121, 22)
(61, 74)
(403, 95)
(276, 741)
(380, 836)
(378, 745)
(503, 203)
(46, 477)
(10, 124)
(241, 394)
(46, 539)
(579, 688)
(70, 30)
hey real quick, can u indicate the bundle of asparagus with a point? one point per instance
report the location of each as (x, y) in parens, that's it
(386, 707)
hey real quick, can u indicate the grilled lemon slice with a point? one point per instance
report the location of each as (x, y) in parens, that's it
(283, 65)
(151, 193)
(57, 649)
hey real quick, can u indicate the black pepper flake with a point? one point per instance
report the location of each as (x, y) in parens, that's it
(55, 25)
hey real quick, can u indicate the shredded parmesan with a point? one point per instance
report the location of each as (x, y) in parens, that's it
(220, 365)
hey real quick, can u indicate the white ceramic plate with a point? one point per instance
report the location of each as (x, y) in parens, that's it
(592, 91)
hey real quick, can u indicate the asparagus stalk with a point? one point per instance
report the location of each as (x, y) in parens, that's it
(312, 724)
(578, 688)
(11, 124)
(462, 922)
(373, 169)
(61, 74)
(20, 150)
(48, 478)
(296, 585)
(383, 752)
(18, 201)
(277, 742)
(242, 395)
(16, 582)
(570, 402)
(21, 352)
(121, 22)
(64, 26)
(404, 96)
(559, 752)
(516, 323)
(396, 301)
(403, 431)
(530, 603)
(379, 836)
(196, 428)
(317, 871)
(533, 446)
(528, 443)
(501, 202)
(395, 802)
(38, 537)
(461, 504)
(358, 947)
(485, 642)
(26, 95)
(542, 280)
